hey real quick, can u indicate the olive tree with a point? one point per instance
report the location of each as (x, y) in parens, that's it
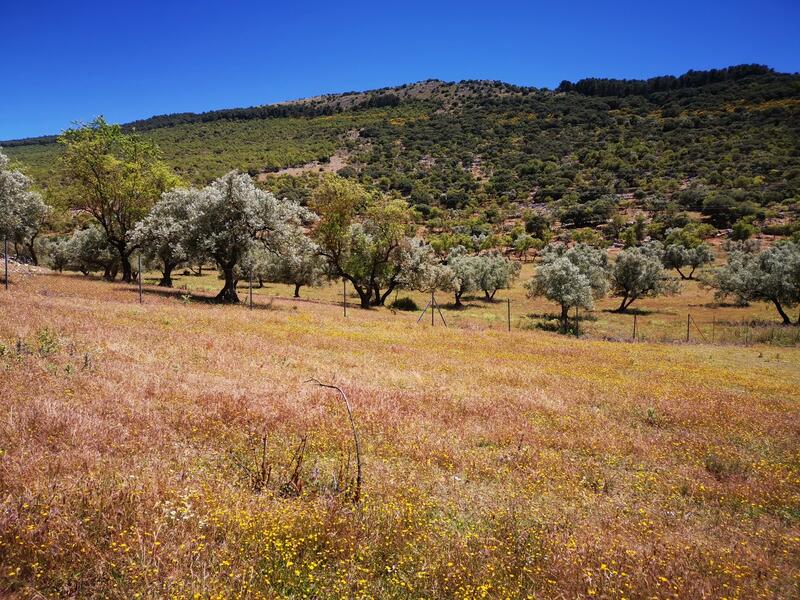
(571, 277)
(114, 177)
(163, 234)
(464, 272)
(58, 254)
(231, 216)
(297, 263)
(23, 212)
(86, 250)
(639, 272)
(772, 276)
(495, 272)
(680, 258)
(422, 269)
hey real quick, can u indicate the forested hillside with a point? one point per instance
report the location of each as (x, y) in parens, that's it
(724, 140)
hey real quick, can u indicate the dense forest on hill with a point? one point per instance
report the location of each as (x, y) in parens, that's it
(722, 141)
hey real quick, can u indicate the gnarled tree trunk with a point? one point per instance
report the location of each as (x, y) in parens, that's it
(166, 275)
(228, 293)
(781, 312)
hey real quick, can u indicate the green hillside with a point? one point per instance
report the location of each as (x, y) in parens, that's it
(726, 138)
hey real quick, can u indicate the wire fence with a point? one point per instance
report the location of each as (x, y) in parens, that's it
(605, 325)
(670, 329)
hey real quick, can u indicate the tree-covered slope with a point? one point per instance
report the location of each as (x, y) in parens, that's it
(479, 144)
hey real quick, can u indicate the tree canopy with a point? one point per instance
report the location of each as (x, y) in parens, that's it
(116, 178)
(572, 277)
(772, 276)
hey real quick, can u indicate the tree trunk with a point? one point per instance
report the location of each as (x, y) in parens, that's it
(228, 293)
(32, 251)
(364, 295)
(166, 275)
(110, 271)
(458, 298)
(127, 271)
(782, 313)
(376, 295)
(297, 290)
(564, 317)
(387, 293)
(622, 305)
(681, 274)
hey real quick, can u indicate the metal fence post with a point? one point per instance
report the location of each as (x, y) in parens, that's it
(139, 266)
(344, 296)
(508, 301)
(634, 327)
(688, 319)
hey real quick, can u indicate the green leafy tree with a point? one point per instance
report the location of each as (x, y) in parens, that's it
(362, 237)
(743, 229)
(114, 177)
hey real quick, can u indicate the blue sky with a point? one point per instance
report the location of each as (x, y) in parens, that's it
(72, 60)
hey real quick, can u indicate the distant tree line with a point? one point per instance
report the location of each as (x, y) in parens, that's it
(642, 87)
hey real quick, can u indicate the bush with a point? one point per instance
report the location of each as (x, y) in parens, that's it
(743, 230)
(405, 303)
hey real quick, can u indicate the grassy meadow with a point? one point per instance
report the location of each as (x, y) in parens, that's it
(175, 449)
(660, 319)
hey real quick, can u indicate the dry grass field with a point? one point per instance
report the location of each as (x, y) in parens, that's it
(174, 449)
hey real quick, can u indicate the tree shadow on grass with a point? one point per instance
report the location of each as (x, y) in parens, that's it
(635, 310)
(188, 296)
(551, 322)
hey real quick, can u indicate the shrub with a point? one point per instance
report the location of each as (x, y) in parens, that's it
(405, 303)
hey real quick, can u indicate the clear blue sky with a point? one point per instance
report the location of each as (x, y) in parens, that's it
(72, 60)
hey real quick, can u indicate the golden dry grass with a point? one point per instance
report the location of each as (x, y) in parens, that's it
(497, 465)
(661, 319)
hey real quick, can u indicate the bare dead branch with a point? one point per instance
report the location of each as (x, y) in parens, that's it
(356, 443)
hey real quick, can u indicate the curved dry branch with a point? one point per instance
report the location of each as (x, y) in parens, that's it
(357, 444)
